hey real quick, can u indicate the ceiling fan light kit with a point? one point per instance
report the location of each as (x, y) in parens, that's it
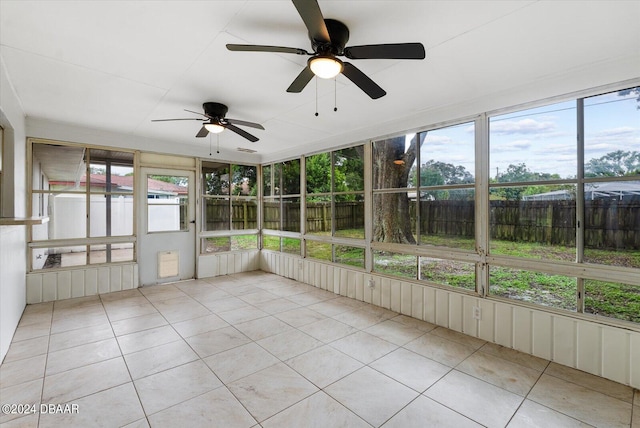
(325, 66)
(214, 128)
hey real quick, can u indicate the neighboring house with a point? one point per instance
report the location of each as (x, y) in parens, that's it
(156, 189)
(621, 190)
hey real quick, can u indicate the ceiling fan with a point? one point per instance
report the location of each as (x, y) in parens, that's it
(328, 40)
(216, 122)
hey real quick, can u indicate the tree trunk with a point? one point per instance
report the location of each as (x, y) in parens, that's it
(391, 167)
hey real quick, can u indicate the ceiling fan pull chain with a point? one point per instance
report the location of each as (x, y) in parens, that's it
(335, 94)
(218, 149)
(209, 144)
(316, 79)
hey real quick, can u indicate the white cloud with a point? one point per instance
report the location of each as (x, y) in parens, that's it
(512, 146)
(523, 126)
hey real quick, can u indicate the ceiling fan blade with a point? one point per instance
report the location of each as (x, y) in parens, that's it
(166, 120)
(243, 123)
(241, 132)
(311, 14)
(264, 48)
(301, 81)
(386, 51)
(196, 112)
(202, 133)
(363, 82)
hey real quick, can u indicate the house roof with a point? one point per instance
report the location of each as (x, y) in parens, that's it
(125, 182)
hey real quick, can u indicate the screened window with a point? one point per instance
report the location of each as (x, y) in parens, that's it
(229, 203)
(87, 193)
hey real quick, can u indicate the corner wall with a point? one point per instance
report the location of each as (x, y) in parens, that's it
(13, 244)
(606, 351)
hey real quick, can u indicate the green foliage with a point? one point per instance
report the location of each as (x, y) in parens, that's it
(519, 174)
(179, 181)
(614, 164)
(318, 173)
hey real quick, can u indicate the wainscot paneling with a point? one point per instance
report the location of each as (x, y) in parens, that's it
(210, 265)
(596, 348)
(79, 282)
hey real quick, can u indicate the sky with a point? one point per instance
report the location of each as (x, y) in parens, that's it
(544, 138)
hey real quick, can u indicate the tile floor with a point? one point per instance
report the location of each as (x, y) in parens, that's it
(258, 350)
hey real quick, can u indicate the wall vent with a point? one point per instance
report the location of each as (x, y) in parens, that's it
(168, 264)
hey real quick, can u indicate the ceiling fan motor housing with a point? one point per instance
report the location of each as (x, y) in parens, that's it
(216, 110)
(339, 34)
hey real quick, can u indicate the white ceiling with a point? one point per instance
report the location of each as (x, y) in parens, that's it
(116, 65)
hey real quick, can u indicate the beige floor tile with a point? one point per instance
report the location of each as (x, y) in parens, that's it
(244, 314)
(224, 305)
(478, 400)
(27, 348)
(299, 317)
(20, 371)
(215, 409)
(181, 309)
(200, 325)
(288, 290)
(635, 420)
(159, 358)
(33, 330)
(424, 412)
(328, 330)
(24, 393)
(158, 293)
(81, 336)
(122, 312)
(82, 355)
(75, 322)
(36, 314)
(413, 322)
(263, 327)
(113, 407)
(271, 390)
(580, 402)
(439, 349)
(394, 332)
(78, 311)
(534, 415)
(258, 297)
(123, 295)
(78, 302)
(499, 372)
(363, 346)
(289, 344)
(209, 294)
(324, 365)
(278, 305)
(371, 395)
(413, 370)
(461, 338)
(597, 383)
(77, 383)
(317, 411)
(29, 421)
(309, 298)
(165, 389)
(133, 325)
(361, 318)
(330, 308)
(239, 362)
(515, 357)
(145, 339)
(215, 341)
(141, 423)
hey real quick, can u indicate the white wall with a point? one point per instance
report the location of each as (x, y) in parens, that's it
(602, 350)
(12, 238)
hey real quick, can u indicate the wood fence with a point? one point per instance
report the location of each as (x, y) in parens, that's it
(608, 223)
